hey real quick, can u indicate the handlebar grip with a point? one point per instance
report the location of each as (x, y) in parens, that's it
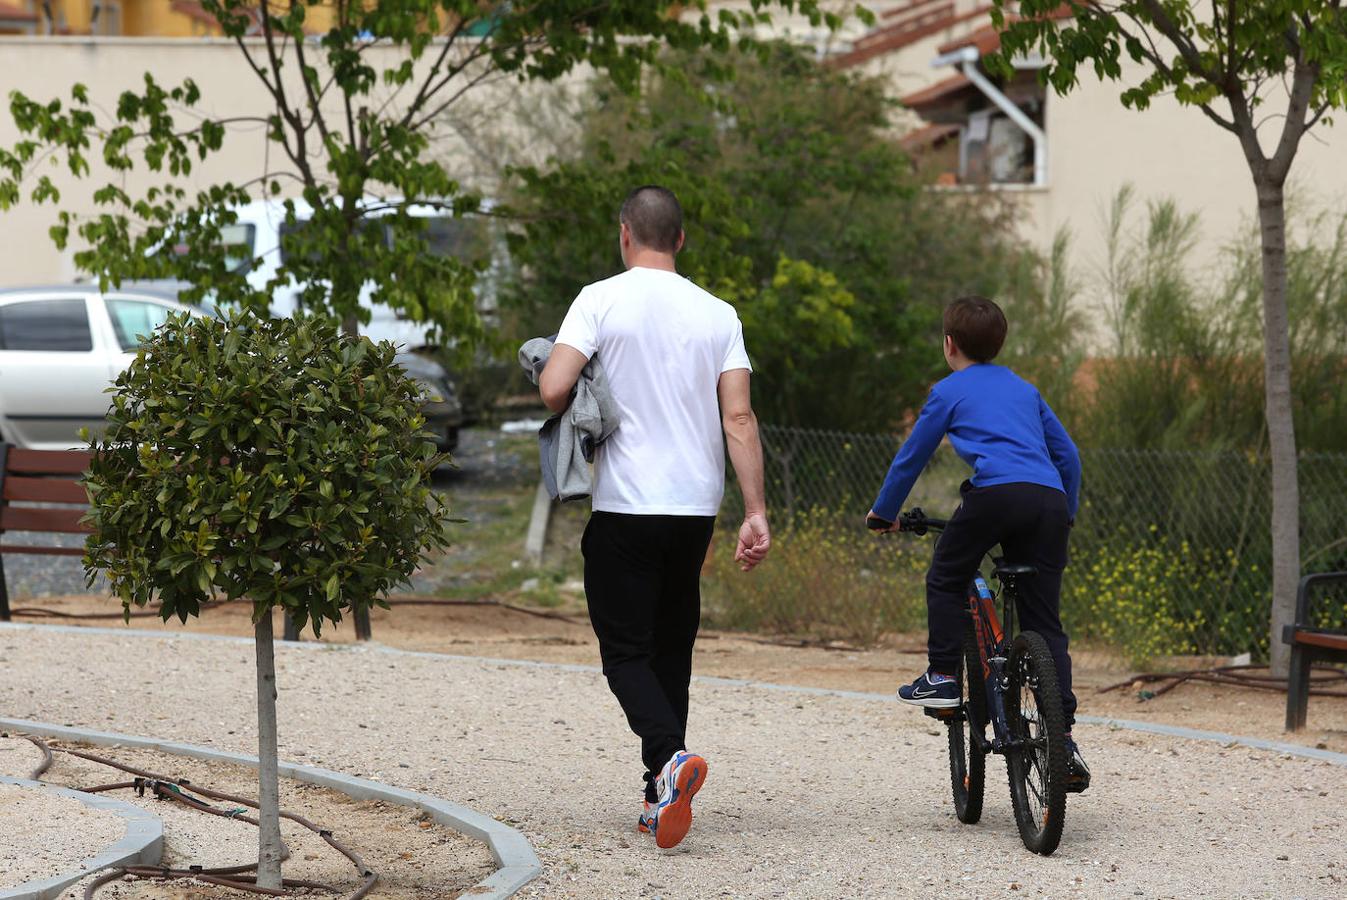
(875, 523)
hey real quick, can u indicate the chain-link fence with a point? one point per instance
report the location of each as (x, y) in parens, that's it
(1171, 552)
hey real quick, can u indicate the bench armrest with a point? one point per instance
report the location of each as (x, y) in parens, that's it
(1303, 598)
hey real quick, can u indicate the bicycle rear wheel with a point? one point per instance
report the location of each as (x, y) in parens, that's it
(967, 762)
(1038, 766)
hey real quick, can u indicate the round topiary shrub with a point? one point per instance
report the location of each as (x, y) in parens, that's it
(269, 459)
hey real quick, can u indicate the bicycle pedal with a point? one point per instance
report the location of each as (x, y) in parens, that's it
(943, 714)
(1077, 785)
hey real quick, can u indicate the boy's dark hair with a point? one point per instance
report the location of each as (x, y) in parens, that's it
(654, 217)
(977, 326)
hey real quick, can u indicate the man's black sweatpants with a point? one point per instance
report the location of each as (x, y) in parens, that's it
(1032, 524)
(643, 585)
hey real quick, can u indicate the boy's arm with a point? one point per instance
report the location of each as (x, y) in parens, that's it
(1064, 455)
(913, 456)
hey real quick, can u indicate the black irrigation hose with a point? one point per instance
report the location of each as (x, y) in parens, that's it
(47, 759)
(236, 877)
(1237, 676)
(414, 600)
(41, 612)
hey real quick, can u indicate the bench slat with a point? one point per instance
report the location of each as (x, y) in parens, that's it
(43, 551)
(48, 462)
(1321, 639)
(62, 521)
(45, 490)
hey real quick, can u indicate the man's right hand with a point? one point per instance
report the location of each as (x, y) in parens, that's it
(754, 541)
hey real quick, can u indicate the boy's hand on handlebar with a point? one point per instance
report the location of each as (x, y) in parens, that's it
(882, 526)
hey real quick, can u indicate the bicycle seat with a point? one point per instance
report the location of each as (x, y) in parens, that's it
(1013, 571)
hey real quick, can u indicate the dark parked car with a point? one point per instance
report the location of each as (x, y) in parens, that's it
(440, 406)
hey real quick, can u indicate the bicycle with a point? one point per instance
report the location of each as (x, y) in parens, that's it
(1029, 730)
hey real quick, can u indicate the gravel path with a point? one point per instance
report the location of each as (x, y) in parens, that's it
(43, 834)
(415, 860)
(808, 796)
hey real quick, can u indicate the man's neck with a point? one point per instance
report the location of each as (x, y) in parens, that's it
(649, 259)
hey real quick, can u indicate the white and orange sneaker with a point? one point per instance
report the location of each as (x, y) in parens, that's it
(647, 815)
(679, 781)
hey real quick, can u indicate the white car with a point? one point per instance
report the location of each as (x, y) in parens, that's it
(60, 349)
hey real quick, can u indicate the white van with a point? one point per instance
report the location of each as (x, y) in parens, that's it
(258, 235)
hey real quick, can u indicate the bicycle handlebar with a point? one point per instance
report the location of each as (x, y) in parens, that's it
(914, 521)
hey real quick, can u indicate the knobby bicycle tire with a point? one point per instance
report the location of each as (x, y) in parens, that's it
(1037, 772)
(967, 762)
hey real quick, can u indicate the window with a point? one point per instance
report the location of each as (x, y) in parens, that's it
(238, 240)
(285, 231)
(50, 325)
(449, 237)
(106, 17)
(135, 320)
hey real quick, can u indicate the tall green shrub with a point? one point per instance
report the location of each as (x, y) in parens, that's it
(273, 461)
(800, 209)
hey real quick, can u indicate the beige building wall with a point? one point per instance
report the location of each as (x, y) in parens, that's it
(497, 123)
(1169, 151)
(1095, 147)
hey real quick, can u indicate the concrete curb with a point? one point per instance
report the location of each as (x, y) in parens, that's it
(518, 863)
(1178, 731)
(141, 845)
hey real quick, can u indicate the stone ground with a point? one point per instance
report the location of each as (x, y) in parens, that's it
(415, 858)
(563, 635)
(47, 835)
(808, 796)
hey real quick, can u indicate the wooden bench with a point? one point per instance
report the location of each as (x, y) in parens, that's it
(1309, 644)
(54, 476)
(40, 476)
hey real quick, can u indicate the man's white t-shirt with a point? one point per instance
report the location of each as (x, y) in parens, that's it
(664, 343)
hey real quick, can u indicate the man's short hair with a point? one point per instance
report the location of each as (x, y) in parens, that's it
(654, 217)
(977, 326)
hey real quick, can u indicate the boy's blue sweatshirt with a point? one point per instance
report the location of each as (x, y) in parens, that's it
(999, 425)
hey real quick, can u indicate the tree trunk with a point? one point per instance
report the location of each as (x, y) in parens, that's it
(1280, 421)
(351, 325)
(270, 849)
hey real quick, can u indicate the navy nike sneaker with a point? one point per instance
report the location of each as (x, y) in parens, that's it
(932, 690)
(1077, 773)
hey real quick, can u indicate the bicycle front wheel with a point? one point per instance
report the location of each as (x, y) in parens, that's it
(967, 762)
(1037, 765)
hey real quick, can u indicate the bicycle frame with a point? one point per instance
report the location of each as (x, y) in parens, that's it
(993, 648)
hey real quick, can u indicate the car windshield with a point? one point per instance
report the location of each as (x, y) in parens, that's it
(445, 236)
(238, 242)
(134, 321)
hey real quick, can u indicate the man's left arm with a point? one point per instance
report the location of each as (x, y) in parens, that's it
(560, 375)
(576, 342)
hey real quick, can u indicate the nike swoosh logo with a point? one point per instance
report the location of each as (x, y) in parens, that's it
(918, 692)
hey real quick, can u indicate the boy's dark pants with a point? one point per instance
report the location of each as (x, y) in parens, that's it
(1031, 523)
(643, 585)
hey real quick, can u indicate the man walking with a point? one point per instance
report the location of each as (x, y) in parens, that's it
(679, 375)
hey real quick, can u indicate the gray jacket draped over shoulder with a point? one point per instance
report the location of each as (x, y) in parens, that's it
(568, 439)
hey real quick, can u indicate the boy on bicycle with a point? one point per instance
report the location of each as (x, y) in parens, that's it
(1023, 495)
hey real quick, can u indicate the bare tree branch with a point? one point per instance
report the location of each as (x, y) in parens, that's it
(1318, 114)
(1151, 53)
(1187, 49)
(1302, 91)
(315, 102)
